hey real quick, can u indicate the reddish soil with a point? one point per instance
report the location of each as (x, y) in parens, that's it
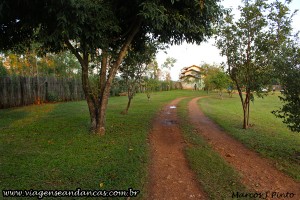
(257, 173)
(170, 175)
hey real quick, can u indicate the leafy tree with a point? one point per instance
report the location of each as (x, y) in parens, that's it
(285, 52)
(250, 45)
(103, 31)
(208, 72)
(168, 64)
(62, 64)
(220, 81)
(134, 68)
(288, 71)
(29, 63)
(153, 71)
(151, 85)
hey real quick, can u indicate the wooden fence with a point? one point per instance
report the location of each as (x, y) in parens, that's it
(21, 91)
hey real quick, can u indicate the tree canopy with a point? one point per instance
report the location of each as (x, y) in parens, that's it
(105, 31)
(102, 24)
(287, 66)
(251, 45)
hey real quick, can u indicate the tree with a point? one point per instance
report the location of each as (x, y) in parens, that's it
(62, 64)
(168, 64)
(151, 85)
(104, 31)
(219, 80)
(285, 52)
(250, 46)
(153, 71)
(133, 69)
(288, 71)
(208, 72)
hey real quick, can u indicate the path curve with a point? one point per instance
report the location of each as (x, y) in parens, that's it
(170, 175)
(257, 173)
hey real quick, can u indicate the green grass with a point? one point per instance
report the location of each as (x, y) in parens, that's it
(216, 176)
(49, 147)
(267, 134)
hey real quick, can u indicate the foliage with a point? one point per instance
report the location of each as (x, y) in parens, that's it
(52, 97)
(219, 81)
(3, 70)
(288, 71)
(209, 71)
(250, 45)
(167, 65)
(284, 50)
(134, 69)
(151, 85)
(153, 71)
(62, 64)
(118, 86)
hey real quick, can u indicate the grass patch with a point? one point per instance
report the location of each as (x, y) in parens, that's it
(267, 135)
(48, 147)
(218, 178)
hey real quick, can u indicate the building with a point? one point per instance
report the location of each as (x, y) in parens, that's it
(192, 77)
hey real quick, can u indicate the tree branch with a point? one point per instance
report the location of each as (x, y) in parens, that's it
(74, 51)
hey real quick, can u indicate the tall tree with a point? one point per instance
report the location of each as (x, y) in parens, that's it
(219, 81)
(104, 30)
(287, 66)
(250, 46)
(285, 51)
(167, 65)
(208, 72)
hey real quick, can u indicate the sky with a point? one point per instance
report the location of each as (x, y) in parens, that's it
(189, 54)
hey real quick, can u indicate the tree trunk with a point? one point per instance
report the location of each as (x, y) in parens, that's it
(246, 110)
(244, 104)
(245, 117)
(100, 128)
(148, 96)
(125, 112)
(130, 94)
(97, 104)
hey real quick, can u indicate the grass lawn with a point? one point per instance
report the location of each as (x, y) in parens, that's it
(49, 147)
(267, 135)
(216, 176)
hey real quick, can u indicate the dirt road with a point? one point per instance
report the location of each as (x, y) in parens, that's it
(257, 173)
(170, 175)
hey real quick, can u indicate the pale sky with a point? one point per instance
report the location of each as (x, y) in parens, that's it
(188, 54)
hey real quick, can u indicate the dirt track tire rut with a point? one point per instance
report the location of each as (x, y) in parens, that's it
(257, 173)
(170, 176)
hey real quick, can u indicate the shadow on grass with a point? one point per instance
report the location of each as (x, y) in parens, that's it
(9, 116)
